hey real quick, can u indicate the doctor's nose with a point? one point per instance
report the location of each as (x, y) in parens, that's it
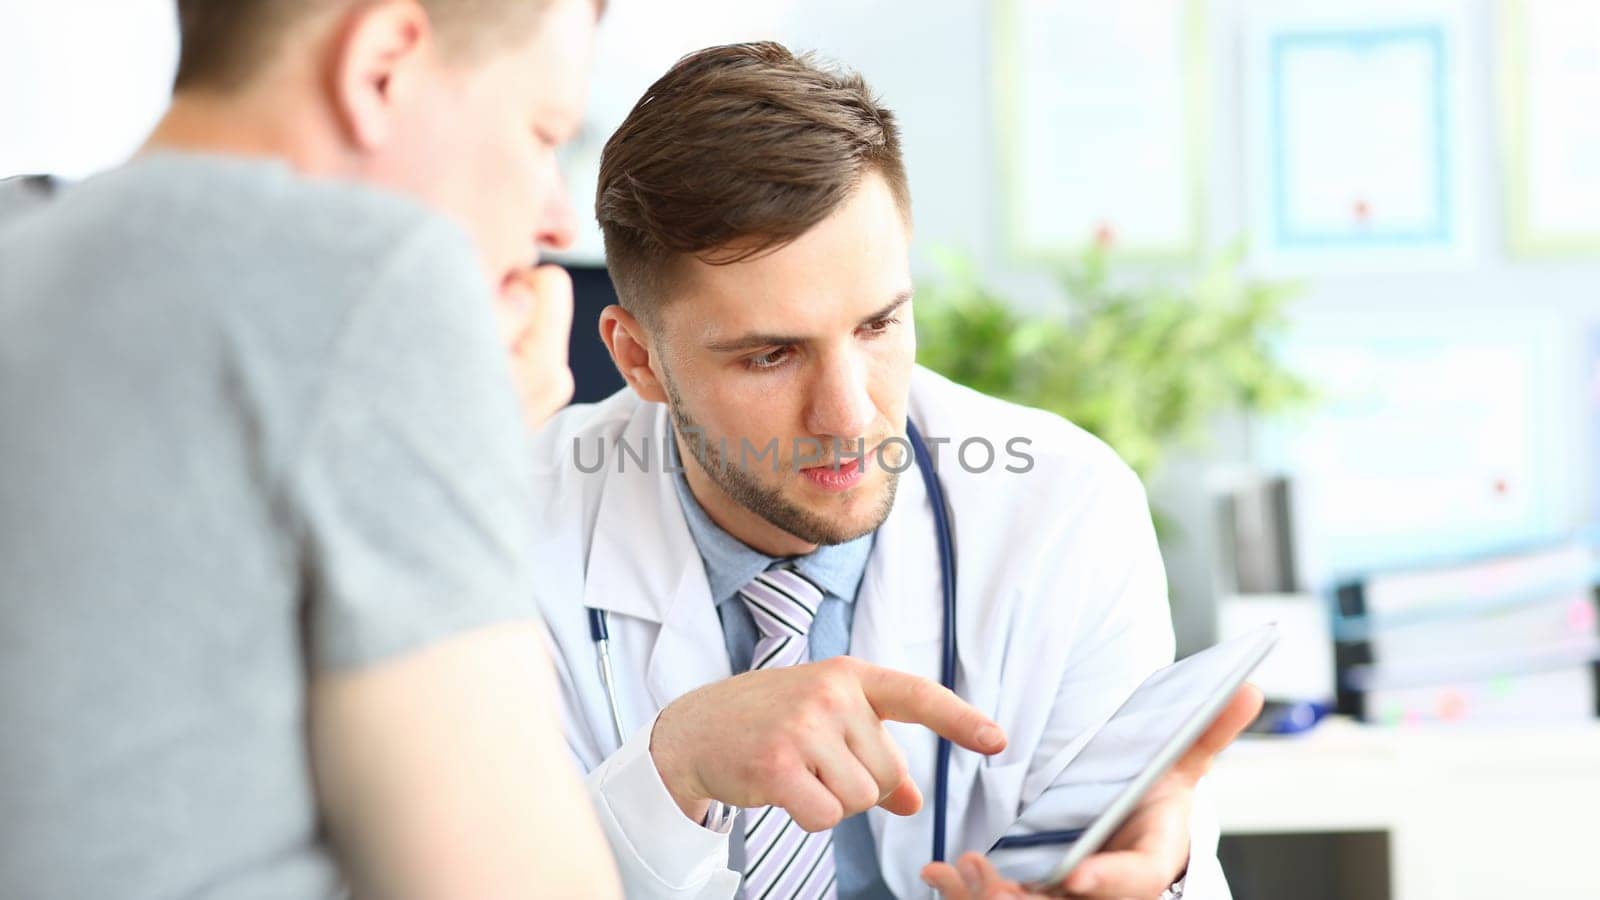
(841, 405)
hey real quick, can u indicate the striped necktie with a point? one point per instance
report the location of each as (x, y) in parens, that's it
(782, 862)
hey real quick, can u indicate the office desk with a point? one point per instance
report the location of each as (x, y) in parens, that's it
(1470, 811)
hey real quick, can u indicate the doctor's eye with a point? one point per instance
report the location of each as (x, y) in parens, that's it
(769, 360)
(879, 326)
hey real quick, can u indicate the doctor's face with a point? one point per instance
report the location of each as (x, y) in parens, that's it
(808, 349)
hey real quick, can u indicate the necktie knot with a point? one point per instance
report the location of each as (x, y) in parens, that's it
(783, 604)
(782, 601)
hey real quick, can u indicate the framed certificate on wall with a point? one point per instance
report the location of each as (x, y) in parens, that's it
(1433, 436)
(1550, 99)
(1100, 126)
(1355, 138)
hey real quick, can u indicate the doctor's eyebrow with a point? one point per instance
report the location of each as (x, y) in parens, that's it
(753, 341)
(900, 299)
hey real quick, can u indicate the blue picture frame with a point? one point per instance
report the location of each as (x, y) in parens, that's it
(1439, 230)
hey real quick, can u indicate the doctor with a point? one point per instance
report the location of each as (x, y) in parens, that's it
(741, 508)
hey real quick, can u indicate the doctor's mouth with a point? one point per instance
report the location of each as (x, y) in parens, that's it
(830, 464)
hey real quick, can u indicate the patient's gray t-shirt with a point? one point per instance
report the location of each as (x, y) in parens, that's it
(253, 427)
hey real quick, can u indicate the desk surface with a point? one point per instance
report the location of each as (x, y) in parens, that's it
(1467, 807)
(1340, 737)
(1343, 775)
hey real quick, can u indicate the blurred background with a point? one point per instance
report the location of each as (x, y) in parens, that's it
(1327, 275)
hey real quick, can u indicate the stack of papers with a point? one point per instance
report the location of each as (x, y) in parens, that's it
(1509, 638)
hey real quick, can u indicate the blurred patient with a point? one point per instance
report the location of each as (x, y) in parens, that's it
(265, 626)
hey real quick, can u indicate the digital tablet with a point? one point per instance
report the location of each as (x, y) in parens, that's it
(1123, 759)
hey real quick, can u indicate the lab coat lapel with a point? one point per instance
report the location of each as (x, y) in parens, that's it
(689, 651)
(644, 565)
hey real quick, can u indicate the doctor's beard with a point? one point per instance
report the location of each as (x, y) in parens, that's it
(769, 502)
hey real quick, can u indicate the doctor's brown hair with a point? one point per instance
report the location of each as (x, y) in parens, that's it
(736, 151)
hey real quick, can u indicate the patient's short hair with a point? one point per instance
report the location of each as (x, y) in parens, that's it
(735, 151)
(225, 42)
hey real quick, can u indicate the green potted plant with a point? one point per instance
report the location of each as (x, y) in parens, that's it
(1142, 363)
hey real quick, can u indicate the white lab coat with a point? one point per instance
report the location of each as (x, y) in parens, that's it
(1062, 612)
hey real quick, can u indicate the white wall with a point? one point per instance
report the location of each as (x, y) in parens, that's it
(81, 81)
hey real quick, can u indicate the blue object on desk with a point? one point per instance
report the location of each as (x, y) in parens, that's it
(1289, 716)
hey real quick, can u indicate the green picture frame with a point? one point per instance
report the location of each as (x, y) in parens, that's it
(1009, 119)
(1524, 238)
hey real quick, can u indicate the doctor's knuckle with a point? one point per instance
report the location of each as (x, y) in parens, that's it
(811, 808)
(924, 696)
(884, 776)
(861, 794)
(820, 820)
(837, 667)
(786, 791)
(830, 696)
(771, 764)
(803, 722)
(898, 770)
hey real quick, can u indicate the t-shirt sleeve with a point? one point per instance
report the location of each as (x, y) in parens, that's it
(411, 483)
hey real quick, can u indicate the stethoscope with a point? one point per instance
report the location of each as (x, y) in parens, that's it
(600, 633)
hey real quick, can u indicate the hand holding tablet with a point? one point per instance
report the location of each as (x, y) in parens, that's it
(1142, 764)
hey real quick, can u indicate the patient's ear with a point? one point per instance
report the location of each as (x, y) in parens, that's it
(379, 60)
(629, 346)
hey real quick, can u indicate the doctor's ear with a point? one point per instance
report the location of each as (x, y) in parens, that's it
(377, 54)
(629, 346)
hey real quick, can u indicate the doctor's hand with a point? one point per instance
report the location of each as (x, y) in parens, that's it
(533, 314)
(1148, 854)
(807, 738)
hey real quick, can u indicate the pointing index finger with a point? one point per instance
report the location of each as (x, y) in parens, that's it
(900, 697)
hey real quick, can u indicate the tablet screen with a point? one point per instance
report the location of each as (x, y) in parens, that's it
(1146, 735)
